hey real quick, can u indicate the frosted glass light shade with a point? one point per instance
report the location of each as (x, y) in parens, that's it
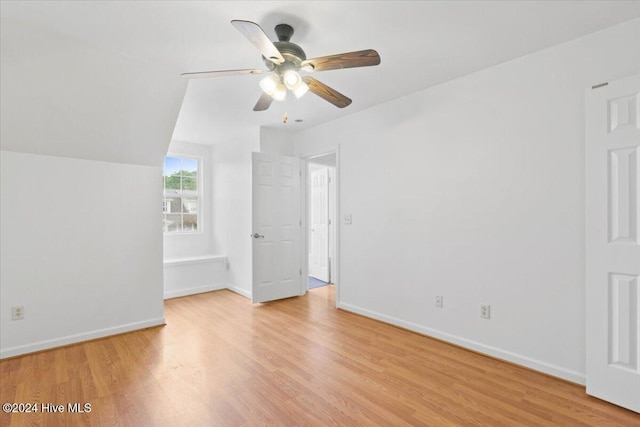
(291, 79)
(300, 89)
(269, 84)
(273, 85)
(280, 93)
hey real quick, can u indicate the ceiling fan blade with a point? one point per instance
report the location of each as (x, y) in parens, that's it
(326, 93)
(263, 103)
(259, 39)
(361, 58)
(222, 73)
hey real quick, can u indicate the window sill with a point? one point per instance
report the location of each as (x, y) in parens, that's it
(194, 260)
(182, 233)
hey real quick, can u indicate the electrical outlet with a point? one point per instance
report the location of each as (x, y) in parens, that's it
(485, 311)
(439, 301)
(17, 312)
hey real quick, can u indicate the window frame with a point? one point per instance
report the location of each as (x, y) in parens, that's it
(198, 194)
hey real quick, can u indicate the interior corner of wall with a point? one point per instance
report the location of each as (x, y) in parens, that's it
(243, 292)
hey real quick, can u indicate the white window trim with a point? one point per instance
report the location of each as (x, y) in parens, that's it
(199, 194)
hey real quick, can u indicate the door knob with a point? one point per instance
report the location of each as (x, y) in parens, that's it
(257, 236)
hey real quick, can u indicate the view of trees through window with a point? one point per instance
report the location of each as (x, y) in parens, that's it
(180, 203)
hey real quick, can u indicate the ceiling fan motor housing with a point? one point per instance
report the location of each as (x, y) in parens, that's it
(292, 53)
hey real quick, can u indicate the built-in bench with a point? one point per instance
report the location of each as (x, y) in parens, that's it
(194, 275)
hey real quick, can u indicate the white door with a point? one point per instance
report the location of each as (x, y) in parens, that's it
(276, 227)
(319, 224)
(613, 242)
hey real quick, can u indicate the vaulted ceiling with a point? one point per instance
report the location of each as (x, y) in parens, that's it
(101, 80)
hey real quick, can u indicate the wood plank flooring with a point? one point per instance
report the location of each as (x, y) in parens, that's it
(220, 361)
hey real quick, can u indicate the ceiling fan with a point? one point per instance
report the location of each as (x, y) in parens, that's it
(284, 61)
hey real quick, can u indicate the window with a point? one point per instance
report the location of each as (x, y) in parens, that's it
(181, 194)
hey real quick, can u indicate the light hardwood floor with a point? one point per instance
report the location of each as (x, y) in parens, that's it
(220, 361)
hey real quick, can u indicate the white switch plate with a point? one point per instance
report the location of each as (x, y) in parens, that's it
(347, 219)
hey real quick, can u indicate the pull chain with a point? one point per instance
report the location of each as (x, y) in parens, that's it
(286, 107)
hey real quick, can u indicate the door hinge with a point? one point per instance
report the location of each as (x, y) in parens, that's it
(600, 85)
(300, 223)
(300, 172)
(301, 272)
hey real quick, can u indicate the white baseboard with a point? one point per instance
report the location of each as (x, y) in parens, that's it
(73, 339)
(192, 291)
(239, 291)
(518, 359)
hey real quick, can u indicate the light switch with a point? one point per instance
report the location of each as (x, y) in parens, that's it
(347, 219)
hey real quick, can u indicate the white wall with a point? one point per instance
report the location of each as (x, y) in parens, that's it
(82, 239)
(276, 141)
(474, 190)
(232, 208)
(81, 250)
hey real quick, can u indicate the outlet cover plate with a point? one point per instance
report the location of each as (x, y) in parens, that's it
(485, 311)
(17, 313)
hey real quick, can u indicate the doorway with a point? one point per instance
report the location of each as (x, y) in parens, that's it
(321, 220)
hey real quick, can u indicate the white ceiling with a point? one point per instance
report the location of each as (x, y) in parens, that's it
(420, 43)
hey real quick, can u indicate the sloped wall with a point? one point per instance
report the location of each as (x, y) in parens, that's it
(83, 131)
(62, 97)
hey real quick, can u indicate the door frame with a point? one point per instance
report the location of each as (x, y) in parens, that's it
(329, 226)
(304, 200)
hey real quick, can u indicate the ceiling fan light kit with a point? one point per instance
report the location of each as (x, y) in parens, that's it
(294, 83)
(269, 84)
(285, 60)
(276, 85)
(300, 89)
(280, 93)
